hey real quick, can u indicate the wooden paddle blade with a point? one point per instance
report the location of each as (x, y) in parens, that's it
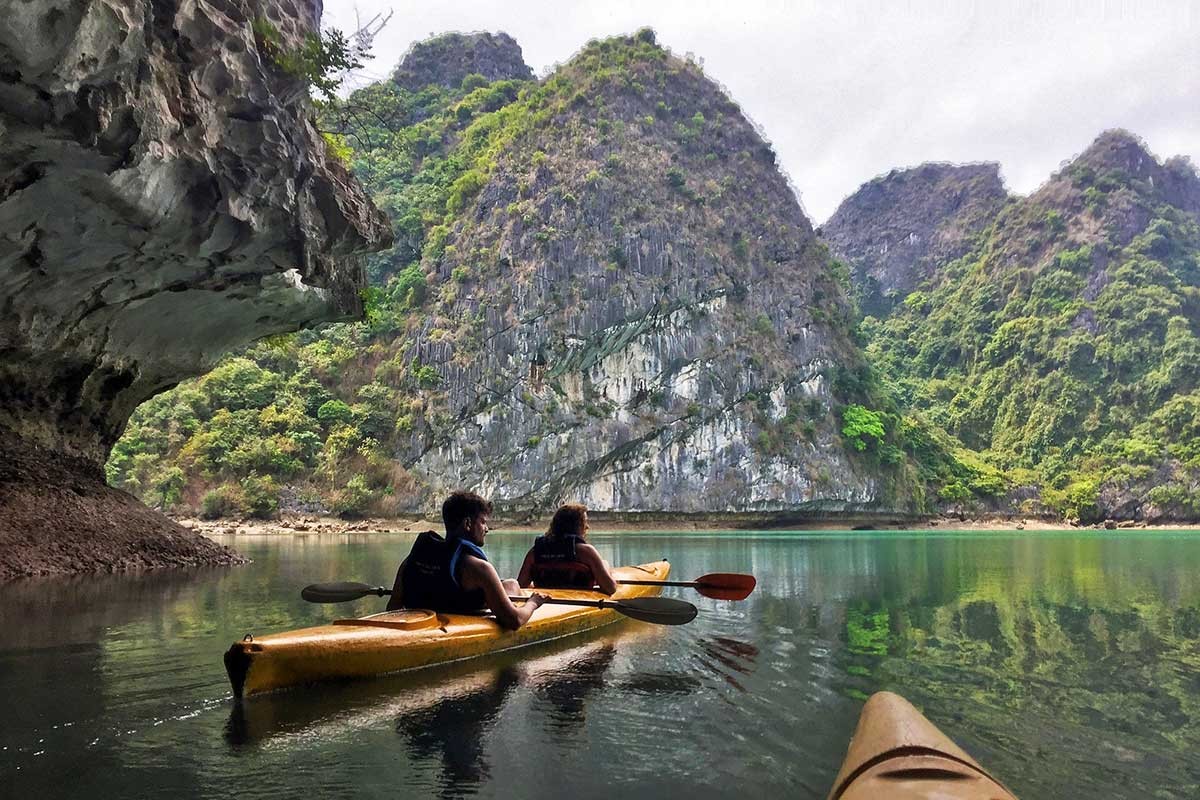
(339, 592)
(726, 585)
(656, 610)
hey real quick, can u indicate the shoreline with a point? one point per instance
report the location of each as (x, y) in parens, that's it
(59, 517)
(310, 524)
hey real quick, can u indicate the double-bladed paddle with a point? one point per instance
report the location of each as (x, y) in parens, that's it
(718, 585)
(657, 610)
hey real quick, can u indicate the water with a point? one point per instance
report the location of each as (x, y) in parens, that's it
(1067, 663)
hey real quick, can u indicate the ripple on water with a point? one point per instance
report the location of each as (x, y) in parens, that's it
(1064, 676)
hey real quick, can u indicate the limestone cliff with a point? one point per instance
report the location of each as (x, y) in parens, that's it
(445, 60)
(163, 198)
(602, 289)
(632, 310)
(895, 230)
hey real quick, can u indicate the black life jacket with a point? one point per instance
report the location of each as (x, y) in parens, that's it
(556, 564)
(431, 575)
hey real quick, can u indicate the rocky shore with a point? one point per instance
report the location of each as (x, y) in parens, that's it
(58, 517)
(165, 198)
(627, 523)
(40, 534)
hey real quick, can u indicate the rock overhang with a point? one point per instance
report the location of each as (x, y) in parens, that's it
(164, 197)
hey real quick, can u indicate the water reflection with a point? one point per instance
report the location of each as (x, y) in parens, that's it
(566, 691)
(723, 656)
(453, 716)
(1068, 664)
(453, 728)
(659, 684)
(1044, 660)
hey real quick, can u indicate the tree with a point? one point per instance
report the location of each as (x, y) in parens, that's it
(858, 422)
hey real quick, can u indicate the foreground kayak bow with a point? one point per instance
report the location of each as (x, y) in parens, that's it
(897, 754)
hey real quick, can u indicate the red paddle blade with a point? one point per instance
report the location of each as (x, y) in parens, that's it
(726, 585)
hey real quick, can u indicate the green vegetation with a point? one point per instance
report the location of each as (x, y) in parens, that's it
(1059, 365)
(226, 443)
(318, 61)
(859, 422)
(1071, 368)
(326, 417)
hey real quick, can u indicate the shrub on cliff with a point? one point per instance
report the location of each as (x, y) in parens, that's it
(318, 61)
(353, 499)
(333, 412)
(859, 422)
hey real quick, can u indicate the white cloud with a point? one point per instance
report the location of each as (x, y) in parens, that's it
(849, 90)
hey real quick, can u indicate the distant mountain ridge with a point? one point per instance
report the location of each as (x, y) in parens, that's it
(896, 229)
(603, 289)
(1063, 347)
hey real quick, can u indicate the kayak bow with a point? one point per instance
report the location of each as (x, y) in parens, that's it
(898, 754)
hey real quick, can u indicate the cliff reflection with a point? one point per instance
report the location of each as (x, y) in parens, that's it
(1110, 663)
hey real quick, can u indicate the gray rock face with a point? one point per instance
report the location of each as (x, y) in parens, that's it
(623, 339)
(1118, 158)
(896, 229)
(1123, 156)
(163, 198)
(445, 60)
(1104, 197)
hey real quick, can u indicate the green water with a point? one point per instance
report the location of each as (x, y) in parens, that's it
(1067, 663)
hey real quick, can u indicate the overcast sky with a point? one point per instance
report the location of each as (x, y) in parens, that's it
(847, 90)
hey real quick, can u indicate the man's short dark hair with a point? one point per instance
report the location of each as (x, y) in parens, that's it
(459, 506)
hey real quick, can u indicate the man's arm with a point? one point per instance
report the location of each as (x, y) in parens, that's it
(397, 599)
(599, 567)
(479, 574)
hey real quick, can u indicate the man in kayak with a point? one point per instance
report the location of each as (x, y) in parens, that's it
(562, 558)
(453, 574)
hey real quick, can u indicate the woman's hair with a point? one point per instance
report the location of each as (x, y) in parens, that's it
(568, 521)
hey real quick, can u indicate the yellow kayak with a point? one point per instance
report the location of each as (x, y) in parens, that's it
(898, 754)
(410, 638)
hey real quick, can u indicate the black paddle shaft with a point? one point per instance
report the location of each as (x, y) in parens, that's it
(516, 598)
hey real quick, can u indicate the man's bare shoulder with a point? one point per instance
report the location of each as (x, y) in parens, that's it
(477, 567)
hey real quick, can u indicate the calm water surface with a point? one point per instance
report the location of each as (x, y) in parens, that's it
(1068, 663)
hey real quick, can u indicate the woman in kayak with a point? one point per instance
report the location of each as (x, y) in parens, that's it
(563, 558)
(453, 573)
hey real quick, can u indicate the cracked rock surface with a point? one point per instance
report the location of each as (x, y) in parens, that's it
(896, 230)
(163, 199)
(648, 322)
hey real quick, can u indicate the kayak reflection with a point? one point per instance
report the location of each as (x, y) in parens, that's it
(450, 699)
(454, 728)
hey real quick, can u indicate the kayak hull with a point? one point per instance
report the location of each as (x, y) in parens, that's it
(898, 754)
(412, 638)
